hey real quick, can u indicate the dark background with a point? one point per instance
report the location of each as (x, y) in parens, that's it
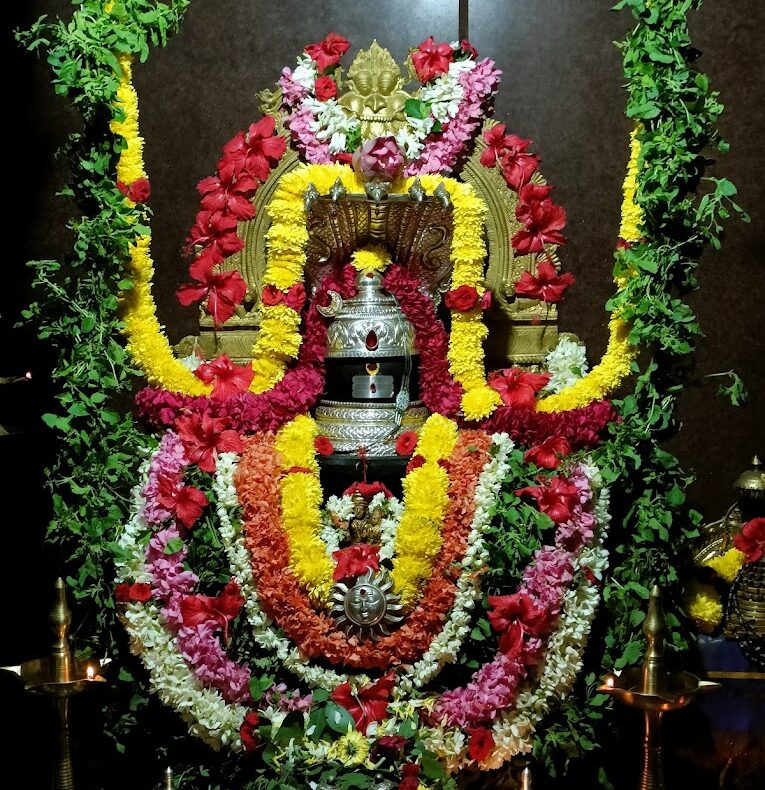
(562, 86)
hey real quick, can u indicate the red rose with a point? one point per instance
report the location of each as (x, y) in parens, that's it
(295, 297)
(463, 298)
(431, 59)
(248, 731)
(415, 463)
(468, 48)
(751, 539)
(325, 88)
(517, 387)
(122, 593)
(323, 445)
(548, 454)
(355, 560)
(329, 51)
(271, 296)
(406, 443)
(481, 743)
(140, 592)
(410, 773)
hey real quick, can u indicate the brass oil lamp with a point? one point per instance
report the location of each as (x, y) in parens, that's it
(60, 676)
(654, 690)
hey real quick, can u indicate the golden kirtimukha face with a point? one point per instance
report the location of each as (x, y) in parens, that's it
(375, 94)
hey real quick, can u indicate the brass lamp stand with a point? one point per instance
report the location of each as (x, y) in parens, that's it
(59, 677)
(654, 690)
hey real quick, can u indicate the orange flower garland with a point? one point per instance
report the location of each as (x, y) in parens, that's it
(279, 591)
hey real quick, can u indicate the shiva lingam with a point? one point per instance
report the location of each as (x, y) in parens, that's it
(654, 690)
(372, 360)
(59, 676)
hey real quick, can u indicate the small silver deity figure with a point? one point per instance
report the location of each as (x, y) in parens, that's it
(367, 609)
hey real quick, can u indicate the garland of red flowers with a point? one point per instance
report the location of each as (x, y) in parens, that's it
(438, 390)
(247, 412)
(245, 163)
(279, 591)
(584, 428)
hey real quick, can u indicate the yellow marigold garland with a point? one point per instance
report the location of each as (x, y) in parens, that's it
(146, 341)
(615, 365)
(302, 499)
(418, 539)
(727, 565)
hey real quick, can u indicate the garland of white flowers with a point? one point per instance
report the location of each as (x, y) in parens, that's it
(218, 722)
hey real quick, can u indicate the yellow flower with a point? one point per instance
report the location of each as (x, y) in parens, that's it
(704, 606)
(370, 259)
(350, 749)
(632, 215)
(727, 565)
(301, 499)
(437, 438)
(603, 379)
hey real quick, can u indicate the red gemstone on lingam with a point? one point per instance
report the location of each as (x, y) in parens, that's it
(371, 341)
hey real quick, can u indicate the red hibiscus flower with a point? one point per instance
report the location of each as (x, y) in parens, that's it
(517, 164)
(497, 141)
(548, 454)
(325, 88)
(219, 610)
(329, 51)
(548, 285)
(751, 539)
(406, 443)
(368, 704)
(248, 731)
(463, 298)
(368, 490)
(410, 773)
(543, 221)
(481, 743)
(256, 152)
(514, 616)
(431, 59)
(229, 192)
(139, 191)
(517, 388)
(227, 379)
(215, 231)
(415, 462)
(355, 560)
(186, 503)
(204, 437)
(223, 290)
(557, 499)
(323, 445)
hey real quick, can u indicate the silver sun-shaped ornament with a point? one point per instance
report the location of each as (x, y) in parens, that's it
(368, 609)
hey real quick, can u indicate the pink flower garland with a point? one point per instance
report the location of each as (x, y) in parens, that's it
(167, 464)
(442, 149)
(495, 685)
(198, 644)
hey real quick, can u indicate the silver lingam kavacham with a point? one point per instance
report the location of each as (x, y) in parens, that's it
(372, 372)
(368, 608)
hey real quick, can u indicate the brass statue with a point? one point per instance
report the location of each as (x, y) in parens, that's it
(375, 92)
(364, 527)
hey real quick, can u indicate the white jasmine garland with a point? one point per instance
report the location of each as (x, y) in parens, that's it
(331, 122)
(305, 72)
(567, 363)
